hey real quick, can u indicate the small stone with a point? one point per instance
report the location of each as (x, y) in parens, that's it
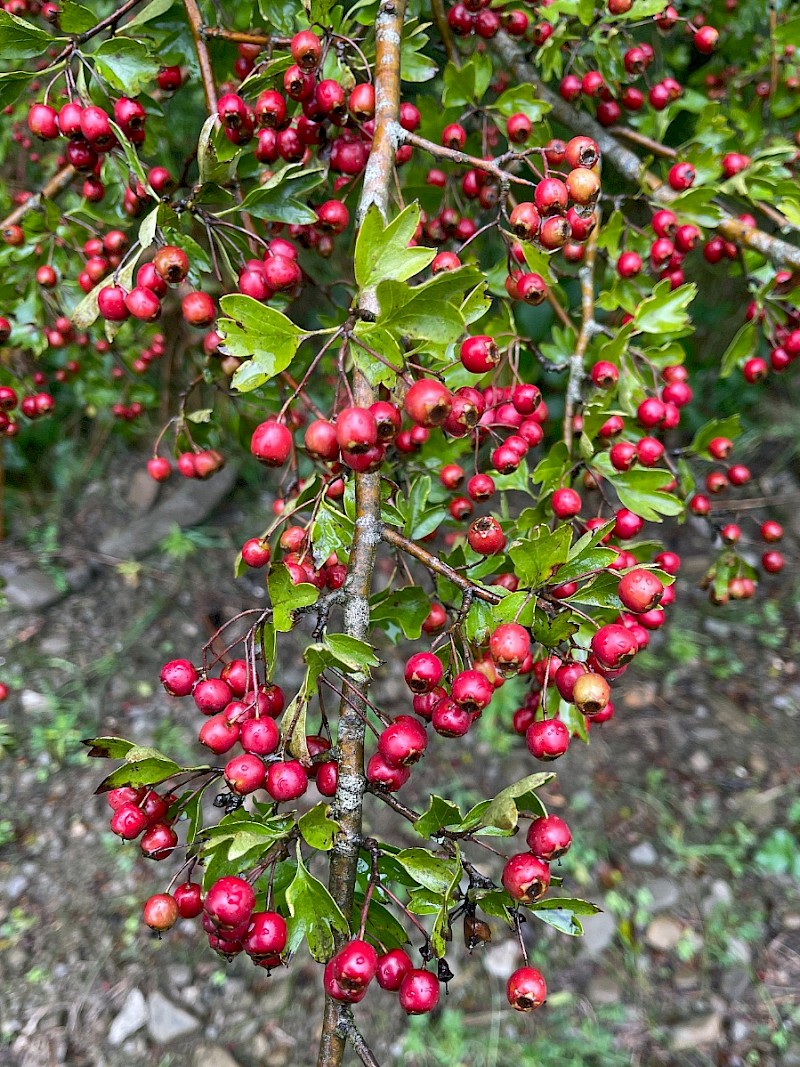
(720, 895)
(700, 1031)
(664, 933)
(500, 958)
(14, 887)
(143, 492)
(131, 1017)
(213, 1056)
(599, 932)
(32, 701)
(643, 855)
(166, 1021)
(603, 990)
(700, 762)
(739, 951)
(664, 893)
(739, 1030)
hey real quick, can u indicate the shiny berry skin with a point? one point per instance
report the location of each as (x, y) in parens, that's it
(229, 902)
(256, 553)
(566, 503)
(629, 264)
(423, 672)
(526, 989)
(128, 821)
(355, 964)
(547, 739)
(189, 898)
(403, 742)
(428, 402)
(705, 40)
(771, 531)
(590, 693)
(549, 837)
(169, 79)
(773, 561)
(472, 690)
(356, 430)
(509, 644)
(266, 934)
(198, 309)
(271, 443)
(419, 992)
(259, 736)
(244, 774)
(485, 536)
(43, 122)
(178, 677)
(391, 969)
(159, 841)
(640, 590)
(286, 780)
(306, 50)
(613, 646)
(161, 912)
(479, 354)
(382, 773)
(681, 176)
(526, 877)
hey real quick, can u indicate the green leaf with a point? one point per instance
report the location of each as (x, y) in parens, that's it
(278, 199)
(665, 310)
(522, 98)
(468, 83)
(259, 334)
(314, 914)
(433, 872)
(12, 85)
(75, 18)
(538, 556)
(504, 809)
(741, 348)
(386, 345)
(414, 66)
(148, 771)
(352, 655)
(108, 747)
(730, 427)
(216, 163)
(20, 40)
(150, 11)
(641, 490)
(382, 252)
(286, 596)
(400, 611)
(419, 313)
(318, 11)
(125, 64)
(439, 814)
(280, 14)
(479, 620)
(317, 828)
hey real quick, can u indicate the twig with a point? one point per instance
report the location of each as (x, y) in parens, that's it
(203, 58)
(356, 1038)
(576, 371)
(446, 34)
(433, 563)
(490, 166)
(60, 181)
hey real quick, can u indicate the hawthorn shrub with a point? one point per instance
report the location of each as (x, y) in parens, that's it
(437, 267)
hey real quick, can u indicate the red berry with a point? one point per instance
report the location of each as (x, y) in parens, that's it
(419, 992)
(526, 877)
(526, 989)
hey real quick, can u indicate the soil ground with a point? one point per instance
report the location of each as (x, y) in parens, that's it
(684, 809)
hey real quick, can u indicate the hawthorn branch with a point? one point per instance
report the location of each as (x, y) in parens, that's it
(60, 181)
(628, 164)
(393, 537)
(587, 330)
(348, 803)
(203, 58)
(220, 33)
(490, 166)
